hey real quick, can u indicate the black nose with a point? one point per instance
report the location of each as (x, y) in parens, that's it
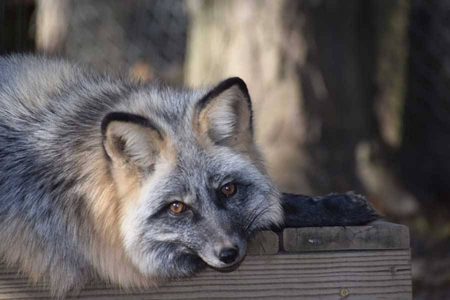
(228, 255)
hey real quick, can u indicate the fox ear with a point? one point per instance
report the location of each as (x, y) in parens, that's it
(225, 113)
(131, 139)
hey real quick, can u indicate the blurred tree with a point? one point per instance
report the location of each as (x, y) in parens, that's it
(313, 69)
(248, 39)
(16, 30)
(425, 153)
(144, 38)
(52, 23)
(378, 162)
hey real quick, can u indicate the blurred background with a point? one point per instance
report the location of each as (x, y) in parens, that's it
(348, 94)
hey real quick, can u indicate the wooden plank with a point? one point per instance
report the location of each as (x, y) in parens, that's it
(264, 243)
(375, 274)
(377, 235)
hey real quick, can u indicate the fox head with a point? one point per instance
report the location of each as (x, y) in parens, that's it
(192, 186)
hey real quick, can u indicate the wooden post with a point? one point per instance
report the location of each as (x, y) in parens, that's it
(356, 262)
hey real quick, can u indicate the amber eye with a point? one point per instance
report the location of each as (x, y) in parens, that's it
(177, 207)
(228, 190)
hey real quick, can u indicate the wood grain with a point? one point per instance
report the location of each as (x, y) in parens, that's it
(264, 243)
(382, 274)
(362, 262)
(377, 235)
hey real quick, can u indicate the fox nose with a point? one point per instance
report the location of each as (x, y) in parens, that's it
(228, 255)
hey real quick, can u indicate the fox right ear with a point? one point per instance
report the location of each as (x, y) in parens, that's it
(131, 139)
(225, 114)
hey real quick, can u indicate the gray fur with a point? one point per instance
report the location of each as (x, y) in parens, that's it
(50, 118)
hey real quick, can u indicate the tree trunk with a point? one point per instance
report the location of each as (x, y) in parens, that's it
(425, 153)
(311, 86)
(248, 39)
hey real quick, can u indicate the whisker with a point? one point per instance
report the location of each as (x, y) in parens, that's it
(248, 219)
(255, 217)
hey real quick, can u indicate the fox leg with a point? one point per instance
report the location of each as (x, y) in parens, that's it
(331, 210)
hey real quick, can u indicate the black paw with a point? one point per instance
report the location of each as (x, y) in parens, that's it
(330, 210)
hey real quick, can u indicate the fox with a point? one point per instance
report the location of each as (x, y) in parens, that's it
(134, 183)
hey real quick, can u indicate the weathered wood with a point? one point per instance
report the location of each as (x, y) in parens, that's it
(361, 269)
(384, 274)
(377, 235)
(264, 243)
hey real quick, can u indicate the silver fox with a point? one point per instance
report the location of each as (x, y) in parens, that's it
(136, 184)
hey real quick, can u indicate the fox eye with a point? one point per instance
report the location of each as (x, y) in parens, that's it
(177, 208)
(228, 190)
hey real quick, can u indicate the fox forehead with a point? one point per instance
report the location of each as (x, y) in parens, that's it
(197, 169)
(172, 109)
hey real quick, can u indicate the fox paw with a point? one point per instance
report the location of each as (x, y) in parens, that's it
(331, 210)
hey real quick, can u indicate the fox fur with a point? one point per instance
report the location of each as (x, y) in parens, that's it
(90, 164)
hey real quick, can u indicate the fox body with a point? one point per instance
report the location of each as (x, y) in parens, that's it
(101, 176)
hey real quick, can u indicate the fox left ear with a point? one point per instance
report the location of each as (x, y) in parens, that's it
(225, 114)
(131, 140)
